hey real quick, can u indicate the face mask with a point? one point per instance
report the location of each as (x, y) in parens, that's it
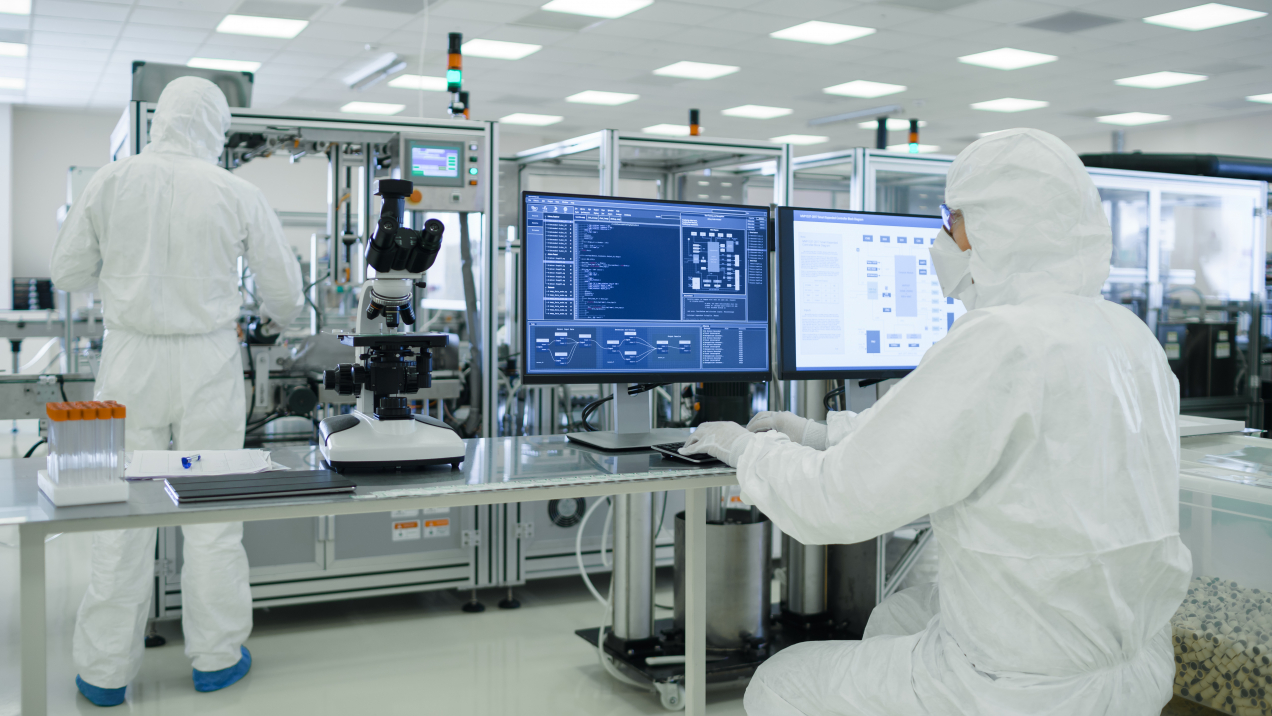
(952, 266)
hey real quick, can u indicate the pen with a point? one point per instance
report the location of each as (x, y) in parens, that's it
(187, 462)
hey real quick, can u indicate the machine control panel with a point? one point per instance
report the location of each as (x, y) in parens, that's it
(448, 172)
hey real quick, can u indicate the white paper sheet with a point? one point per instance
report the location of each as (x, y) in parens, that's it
(153, 464)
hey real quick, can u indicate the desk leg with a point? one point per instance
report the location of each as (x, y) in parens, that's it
(696, 602)
(31, 607)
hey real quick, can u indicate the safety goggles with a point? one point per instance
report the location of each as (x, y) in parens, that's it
(947, 216)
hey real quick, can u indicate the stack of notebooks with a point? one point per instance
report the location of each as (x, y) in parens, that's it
(258, 486)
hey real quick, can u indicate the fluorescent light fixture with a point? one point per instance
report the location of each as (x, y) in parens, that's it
(599, 97)
(696, 70)
(864, 88)
(1265, 98)
(419, 82)
(669, 130)
(533, 120)
(822, 33)
(893, 124)
(498, 49)
(13, 49)
(12, 83)
(1204, 17)
(923, 148)
(1158, 80)
(261, 26)
(756, 111)
(15, 7)
(375, 71)
(1009, 104)
(1130, 119)
(608, 9)
(209, 63)
(801, 139)
(372, 108)
(1007, 58)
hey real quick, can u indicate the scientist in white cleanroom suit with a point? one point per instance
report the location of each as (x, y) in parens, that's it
(158, 236)
(1039, 434)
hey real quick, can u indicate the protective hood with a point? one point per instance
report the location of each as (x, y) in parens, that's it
(191, 118)
(1033, 216)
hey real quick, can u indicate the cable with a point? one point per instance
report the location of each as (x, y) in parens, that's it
(578, 550)
(31, 452)
(324, 277)
(605, 533)
(592, 408)
(829, 396)
(61, 385)
(251, 406)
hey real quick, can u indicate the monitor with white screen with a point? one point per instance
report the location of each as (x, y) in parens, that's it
(642, 291)
(858, 296)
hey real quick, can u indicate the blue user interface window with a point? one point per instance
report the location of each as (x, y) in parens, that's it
(627, 287)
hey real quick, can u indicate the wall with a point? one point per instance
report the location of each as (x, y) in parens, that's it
(6, 205)
(1247, 136)
(45, 143)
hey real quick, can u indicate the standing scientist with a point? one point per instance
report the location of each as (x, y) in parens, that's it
(1040, 435)
(159, 236)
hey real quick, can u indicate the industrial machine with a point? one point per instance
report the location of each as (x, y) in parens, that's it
(382, 431)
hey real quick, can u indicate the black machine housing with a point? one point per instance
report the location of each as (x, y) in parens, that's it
(391, 369)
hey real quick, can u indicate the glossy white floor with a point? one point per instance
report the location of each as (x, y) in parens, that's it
(409, 654)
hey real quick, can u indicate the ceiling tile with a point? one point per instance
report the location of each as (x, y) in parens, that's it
(143, 31)
(76, 25)
(62, 39)
(176, 18)
(81, 10)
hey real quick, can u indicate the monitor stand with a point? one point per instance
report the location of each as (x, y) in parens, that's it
(632, 418)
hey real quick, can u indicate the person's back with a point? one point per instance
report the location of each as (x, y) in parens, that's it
(159, 236)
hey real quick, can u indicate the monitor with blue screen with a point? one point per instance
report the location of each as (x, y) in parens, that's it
(858, 295)
(638, 290)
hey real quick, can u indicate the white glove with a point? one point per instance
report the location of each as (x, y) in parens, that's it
(724, 441)
(800, 430)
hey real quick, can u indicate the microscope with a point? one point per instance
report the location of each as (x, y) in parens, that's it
(382, 433)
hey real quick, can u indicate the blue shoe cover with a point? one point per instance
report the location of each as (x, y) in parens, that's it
(217, 680)
(100, 696)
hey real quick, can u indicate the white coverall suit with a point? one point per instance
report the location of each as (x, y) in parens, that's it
(159, 236)
(1040, 435)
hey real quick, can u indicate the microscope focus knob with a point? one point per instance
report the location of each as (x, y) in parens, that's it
(345, 379)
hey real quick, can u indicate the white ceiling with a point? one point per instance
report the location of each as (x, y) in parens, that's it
(81, 52)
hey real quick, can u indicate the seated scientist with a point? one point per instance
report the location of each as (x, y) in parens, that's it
(159, 236)
(1040, 435)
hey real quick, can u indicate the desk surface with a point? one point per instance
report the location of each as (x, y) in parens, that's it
(495, 470)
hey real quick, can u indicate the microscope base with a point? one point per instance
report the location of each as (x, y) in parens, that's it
(357, 441)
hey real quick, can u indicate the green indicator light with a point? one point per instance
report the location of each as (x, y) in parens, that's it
(914, 148)
(472, 170)
(454, 78)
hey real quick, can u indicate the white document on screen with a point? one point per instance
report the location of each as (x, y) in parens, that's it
(866, 296)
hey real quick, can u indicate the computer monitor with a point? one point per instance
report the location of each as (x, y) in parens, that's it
(858, 297)
(643, 291)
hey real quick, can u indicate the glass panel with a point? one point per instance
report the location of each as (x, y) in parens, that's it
(909, 193)
(1127, 212)
(1207, 278)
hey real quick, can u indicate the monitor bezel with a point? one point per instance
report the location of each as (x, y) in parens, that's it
(650, 377)
(785, 252)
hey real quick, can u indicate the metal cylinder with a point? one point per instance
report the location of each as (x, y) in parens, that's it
(805, 566)
(853, 584)
(715, 505)
(739, 576)
(634, 566)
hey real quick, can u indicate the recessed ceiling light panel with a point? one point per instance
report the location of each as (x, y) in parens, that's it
(822, 33)
(608, 9)
(15, 7)
(864, 88)
(756, 111)
(800, 139)
(1158, 80)
(261, 26)
(1204, 17)
(1266, 98)
(1009, 104)
(668, 130)
(894, 124)
(12, 83)
(696, 70)
(372, 108)
(1007, 58)
(532, 120)
(209, 63)
(498, 49)
(599, 97)
(1131, 119)
(419, 82)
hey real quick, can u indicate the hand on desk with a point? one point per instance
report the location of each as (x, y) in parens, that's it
(724, 441)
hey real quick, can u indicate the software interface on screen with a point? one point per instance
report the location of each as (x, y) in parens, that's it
(441, 162)
(865, 294)
(623, 286)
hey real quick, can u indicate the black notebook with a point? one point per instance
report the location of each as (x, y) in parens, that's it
(256, 486)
